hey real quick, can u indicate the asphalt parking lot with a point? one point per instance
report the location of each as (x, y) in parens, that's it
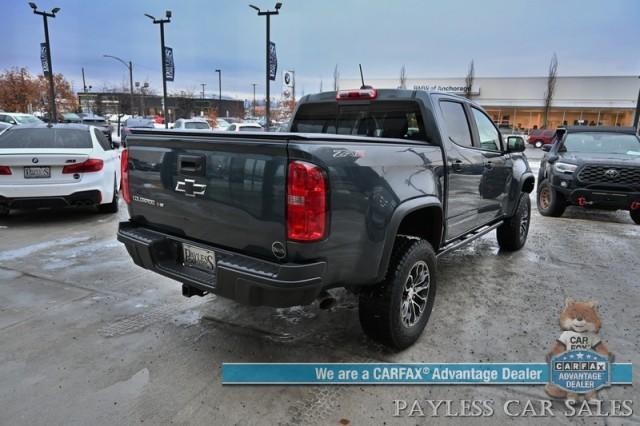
(87, 337)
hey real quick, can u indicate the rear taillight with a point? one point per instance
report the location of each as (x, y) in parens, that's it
(306, 202)
(88, 166)
(5, 170)
(124, 177)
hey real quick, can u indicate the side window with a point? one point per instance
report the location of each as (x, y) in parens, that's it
(3, 118)
(489, 136)
(456, 122)
(232, 128)
(102, 140)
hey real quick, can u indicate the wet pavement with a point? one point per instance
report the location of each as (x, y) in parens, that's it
(86, 337)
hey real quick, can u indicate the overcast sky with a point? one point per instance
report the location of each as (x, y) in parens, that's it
(432, 38)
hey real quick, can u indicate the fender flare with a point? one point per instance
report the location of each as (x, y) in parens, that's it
(525, 176)
(398, 215)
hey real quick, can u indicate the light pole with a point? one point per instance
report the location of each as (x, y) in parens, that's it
(268, 14)
(129, 65)
(84, 82)
(203, 84)
(254, 99)
(161, 22)
(219, 84)
(144, 86)
(52, 93)
(636, 119)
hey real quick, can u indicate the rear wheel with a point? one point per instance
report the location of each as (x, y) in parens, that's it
(396, 311)
(512, 234)
(550, 202)
(635, 215)
(4, 211)
(539, 144)
(112, 207)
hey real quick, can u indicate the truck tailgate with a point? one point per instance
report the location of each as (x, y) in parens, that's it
(227, 191)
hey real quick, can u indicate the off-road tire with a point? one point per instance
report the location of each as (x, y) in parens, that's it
(112, 207)
(512, 234)
(550, 202)
(635, 215)
(381, 306)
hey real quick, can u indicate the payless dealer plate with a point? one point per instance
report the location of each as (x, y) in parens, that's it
(197, 257)
(39, 172)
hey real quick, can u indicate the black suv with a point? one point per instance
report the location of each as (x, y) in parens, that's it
(596, 167)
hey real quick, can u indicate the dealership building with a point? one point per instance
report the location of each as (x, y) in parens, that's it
(519, 101)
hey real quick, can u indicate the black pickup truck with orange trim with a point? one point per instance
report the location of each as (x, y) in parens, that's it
(593, 168)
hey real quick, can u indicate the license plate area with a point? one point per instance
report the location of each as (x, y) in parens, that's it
(199, 258)
(39, 172)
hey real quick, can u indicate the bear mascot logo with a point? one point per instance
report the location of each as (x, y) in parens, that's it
(580, 324)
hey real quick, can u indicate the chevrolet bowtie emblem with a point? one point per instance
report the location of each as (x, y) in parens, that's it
(190, 187)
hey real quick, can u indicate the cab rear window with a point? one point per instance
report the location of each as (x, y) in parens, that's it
(45, 138)
(388, 119)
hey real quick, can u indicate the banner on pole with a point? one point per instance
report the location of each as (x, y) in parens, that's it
(273, 61)
(168, 64)
(44, 58)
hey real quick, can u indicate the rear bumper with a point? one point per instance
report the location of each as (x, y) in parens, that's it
(82, 198)
(238, 277)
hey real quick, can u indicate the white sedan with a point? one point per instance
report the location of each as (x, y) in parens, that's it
(245, 127)
(58, 166)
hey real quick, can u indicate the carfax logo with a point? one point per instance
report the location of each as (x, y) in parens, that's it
(579, 360)
(580, 371)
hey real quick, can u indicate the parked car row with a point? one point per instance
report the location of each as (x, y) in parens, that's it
(16, 118)
(19, 119)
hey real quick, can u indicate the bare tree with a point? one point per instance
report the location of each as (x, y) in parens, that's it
(468, 81)
(551, 87)
(403, 77)
(336, 79)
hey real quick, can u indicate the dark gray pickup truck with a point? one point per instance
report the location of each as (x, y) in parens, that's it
(365, 192)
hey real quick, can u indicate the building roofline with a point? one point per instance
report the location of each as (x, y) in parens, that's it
(499, 77)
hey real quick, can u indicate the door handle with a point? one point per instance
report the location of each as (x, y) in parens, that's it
(457, 165)
(488, 165)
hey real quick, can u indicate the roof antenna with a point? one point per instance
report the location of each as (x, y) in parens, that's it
(364, 86)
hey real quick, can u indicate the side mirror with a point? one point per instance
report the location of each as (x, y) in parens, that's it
(546, 148)
(515, 144)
